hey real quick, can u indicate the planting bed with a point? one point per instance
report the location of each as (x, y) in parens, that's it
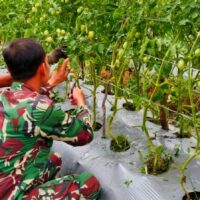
(119, 173)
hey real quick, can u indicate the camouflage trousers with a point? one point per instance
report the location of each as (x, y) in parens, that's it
(72, 187)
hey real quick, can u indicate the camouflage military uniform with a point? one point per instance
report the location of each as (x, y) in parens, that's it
(29, 122)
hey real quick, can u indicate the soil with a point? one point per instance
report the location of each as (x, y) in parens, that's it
(109, 92)
(120, 144)
(193, 196)
(184, 135)
(97, 126)
(129, 106)
(170, 137)
(161, 166)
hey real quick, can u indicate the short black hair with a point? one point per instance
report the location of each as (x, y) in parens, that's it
(23, 57)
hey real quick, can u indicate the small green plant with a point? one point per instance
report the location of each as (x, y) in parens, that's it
(127, 182)
(120, 144)
(155, 162)
(185, 129)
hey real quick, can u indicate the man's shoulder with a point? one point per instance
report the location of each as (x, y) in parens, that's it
(42, 102)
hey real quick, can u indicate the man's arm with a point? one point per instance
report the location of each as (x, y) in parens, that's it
(74, 129)
(5, 80)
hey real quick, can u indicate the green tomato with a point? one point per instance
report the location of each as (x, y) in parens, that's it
(145, 59)
(49, 39)
(125, 45)
(91, 35)
(44, 16)
(137, 35)
(53, 11)
(58, 31)
(28, 20)
(197, 52)
(57, 12)
(34, 9)
(62, 32)
(83, 28)
(37, 5)
(181, 64)
(46, 32)
(79, 10)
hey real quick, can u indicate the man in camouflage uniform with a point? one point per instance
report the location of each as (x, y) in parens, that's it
(29, 122)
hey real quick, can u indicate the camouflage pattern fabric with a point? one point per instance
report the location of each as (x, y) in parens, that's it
(29, 122)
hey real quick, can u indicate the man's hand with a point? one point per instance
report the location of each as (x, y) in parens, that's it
(77, 97)
(60, 74)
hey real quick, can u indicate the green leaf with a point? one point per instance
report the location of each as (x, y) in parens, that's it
(195, 14)
(164, 86)
(100, 48)
(159, 150)
(88, 49)
(158, 95)
(10, 14)
(74, 62)
(184, 22)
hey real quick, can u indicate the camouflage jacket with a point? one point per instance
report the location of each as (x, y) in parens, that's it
(29, 122)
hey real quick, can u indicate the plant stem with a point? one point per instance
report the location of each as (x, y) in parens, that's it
(104, 110)
(94, 95)
(180, 107)
(163, 115)
(144, 128)
(118, 81)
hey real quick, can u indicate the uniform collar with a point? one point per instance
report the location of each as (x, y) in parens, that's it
(21, 86)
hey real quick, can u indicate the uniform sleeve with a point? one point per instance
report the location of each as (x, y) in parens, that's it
(74, 128)
(49, 92)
